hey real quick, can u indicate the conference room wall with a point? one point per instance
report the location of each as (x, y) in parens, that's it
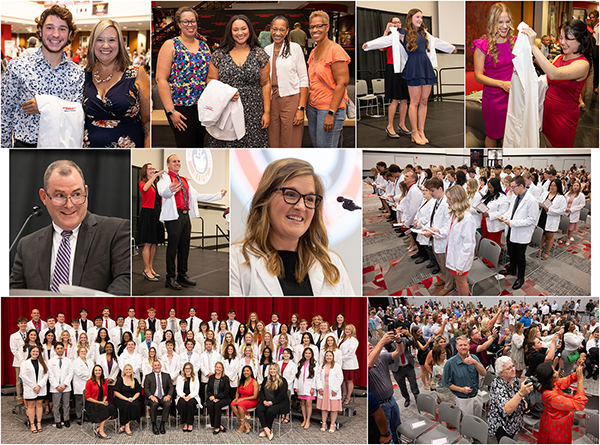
(328, 307)
(106, 172)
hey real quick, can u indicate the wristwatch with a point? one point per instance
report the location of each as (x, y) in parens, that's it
(170, 113)
(388, 434)
(330, 112)
(301, 108)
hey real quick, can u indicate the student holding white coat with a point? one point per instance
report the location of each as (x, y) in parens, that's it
(549, 216)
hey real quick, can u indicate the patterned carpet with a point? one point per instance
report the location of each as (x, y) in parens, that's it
(389, 271)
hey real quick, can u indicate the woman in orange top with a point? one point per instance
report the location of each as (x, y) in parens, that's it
(328, 76)
(557, 419)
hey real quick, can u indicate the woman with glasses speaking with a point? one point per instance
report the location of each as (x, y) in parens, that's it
(285, 249)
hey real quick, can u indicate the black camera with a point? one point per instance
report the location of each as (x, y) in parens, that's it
(533, 380)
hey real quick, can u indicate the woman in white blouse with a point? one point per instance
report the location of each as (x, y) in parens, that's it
(348, 345)
(329, 390)
(82, 370)
(575, 202)
(573, 341)
(549, 216)
(289, 87)
(34, 374)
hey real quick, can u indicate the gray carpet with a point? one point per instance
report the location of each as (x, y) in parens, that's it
(14, 431)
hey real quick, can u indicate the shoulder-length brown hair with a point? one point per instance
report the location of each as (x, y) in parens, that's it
(122, 61)
(411, 31)
(313, 244)
(144, 174)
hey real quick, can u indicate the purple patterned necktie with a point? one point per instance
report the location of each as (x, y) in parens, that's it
(63, 262)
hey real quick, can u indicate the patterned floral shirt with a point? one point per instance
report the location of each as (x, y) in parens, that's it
(23, 79)
(500, 393)
(188, 73)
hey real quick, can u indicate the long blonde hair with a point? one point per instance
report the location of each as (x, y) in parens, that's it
(491, 31)
(132, 386)
(473, 186)
(122, 61)
(460, 203)
(312, 245)
(411, 31)
(352, 331)
(273, 383)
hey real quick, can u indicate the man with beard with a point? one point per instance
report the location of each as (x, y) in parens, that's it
(47, 71)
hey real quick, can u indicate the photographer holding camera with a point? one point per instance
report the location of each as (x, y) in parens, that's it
(507, 402)
(559, 408)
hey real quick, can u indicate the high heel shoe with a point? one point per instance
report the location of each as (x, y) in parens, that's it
(402, 131)
(412, 139)
(391, 135)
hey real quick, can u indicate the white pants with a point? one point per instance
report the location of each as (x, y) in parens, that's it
(471, 406)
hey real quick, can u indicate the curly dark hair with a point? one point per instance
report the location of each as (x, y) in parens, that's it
(62, 13)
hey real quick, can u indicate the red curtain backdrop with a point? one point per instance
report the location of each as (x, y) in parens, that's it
(354, 308)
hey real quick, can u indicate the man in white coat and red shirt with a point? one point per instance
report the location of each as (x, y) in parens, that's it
(179, 204)
(520, 220)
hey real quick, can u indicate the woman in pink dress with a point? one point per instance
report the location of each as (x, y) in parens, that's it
(329, 388)
(493, 67)
(566, 77)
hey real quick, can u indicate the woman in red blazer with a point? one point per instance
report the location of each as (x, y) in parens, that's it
(97, 406)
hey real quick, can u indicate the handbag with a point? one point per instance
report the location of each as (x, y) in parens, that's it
(573, 356)
(350, 107)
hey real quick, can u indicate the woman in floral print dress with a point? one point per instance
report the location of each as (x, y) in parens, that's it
(116, 96)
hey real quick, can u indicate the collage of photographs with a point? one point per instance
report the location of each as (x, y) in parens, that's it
(173, 267)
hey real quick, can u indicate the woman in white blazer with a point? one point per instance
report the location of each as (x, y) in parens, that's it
(415, 64)
(82, 370)
(288, 372)
(248, 358)
(232, 369)
(110, 367)
(497, 203)
(306, 342)
(330, 344)
(474, 199)
(306, 384)
(34, 374)
(147, 363)
(170, 362)
(285, 226)
(329, 390)
(84, 342)
(348, 345)
(188, 395)
(460, 236)
(575, 202)
(289, 87)
(549, 217)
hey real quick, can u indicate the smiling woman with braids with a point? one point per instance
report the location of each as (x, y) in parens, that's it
(285, 249)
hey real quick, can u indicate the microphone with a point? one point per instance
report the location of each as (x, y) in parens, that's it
(35, 211)
(347, 204)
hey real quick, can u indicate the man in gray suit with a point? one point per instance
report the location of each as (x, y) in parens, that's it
(159, 391)
(79, 248)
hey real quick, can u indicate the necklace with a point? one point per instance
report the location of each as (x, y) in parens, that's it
(98, 80)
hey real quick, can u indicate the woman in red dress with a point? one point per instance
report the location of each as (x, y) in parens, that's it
(566, 78)
(557, 419)
(245, 398)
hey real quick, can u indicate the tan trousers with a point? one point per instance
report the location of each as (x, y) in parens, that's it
(446, 274)
(19, 384)
(282, 131)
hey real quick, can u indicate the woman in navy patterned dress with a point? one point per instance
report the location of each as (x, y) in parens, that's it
(116, 94)
(181, 71)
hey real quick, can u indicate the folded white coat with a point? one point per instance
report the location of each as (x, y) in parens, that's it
(223, 119)
(61, 122)
(522, 117)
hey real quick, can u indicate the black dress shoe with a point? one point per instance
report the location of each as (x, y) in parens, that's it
(79, 422)
(436, 271)
(186, 281)
(506, 272)
(215, 432)
(155, 429)
(402, 234)
(393, 136)
(518, 283)
(421, 260)
(172, 284)
(162, 428)
(414, 256)
(58, 425)
(430, 265)
(67, 424)
(406, 403)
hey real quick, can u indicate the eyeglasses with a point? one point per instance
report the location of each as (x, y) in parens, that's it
(188, 22)
(311, 27)
(292, 196)
(61, 201)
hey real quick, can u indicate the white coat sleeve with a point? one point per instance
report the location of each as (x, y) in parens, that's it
(163, 186)
(467, 247)
(301, 68)
(558, 206)
(442, 45)
(530, 219)
(379, 43)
